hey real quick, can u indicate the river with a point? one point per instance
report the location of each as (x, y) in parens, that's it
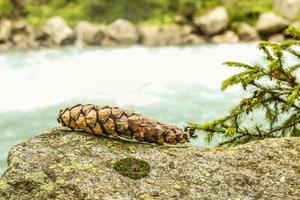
(172, 84)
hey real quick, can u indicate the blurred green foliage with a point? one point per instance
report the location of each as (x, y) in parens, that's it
(246, 10)
(6, 8)
(153, 11)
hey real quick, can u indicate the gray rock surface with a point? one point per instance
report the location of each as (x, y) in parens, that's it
(23, 41)
(247, 33)
(279, 38)
(5, 30)
(88, 34)
(62, 164)
(150, 35)
(214, 21)
(122, 32)
(171, 35)
(193, 39)
(227, 37)
(22, 27)
(288, 8)
(270, 22)
(6, 46)
(163, 36)
(59, 31)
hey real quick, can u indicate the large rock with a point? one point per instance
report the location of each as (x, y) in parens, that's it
(22, 27)
(269, 23)
(24, 41)
(122, 32)
(214, 21)
(23, 35)
(88, 34)
(247, 33)
(64, 164)
(6, 46)
(150, 36)
(193, 39)
(288, 8)
(296, 24)
(279, 38)
(42, 39)
(59, 32)
(168, 35)
(227, 37)
(5, 30)
(172, 35)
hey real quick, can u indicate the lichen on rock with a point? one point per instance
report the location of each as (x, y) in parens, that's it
(64, 164)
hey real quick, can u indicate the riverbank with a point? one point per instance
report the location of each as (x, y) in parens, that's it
(62, 164)
(213, 26)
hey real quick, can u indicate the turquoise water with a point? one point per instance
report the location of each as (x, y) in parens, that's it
(173, 85)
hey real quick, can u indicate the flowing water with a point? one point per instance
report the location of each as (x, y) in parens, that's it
(172, 84)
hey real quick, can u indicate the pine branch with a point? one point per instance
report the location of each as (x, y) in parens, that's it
(238, 64)
(274, 90)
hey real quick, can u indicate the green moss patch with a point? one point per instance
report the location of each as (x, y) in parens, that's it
(132, 167)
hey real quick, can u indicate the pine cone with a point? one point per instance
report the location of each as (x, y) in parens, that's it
(119, 123)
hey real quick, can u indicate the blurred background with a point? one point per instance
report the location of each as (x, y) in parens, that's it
(162, 58)
(137, 11)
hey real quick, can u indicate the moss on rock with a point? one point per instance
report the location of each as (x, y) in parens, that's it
(68, 165)
(132, 167)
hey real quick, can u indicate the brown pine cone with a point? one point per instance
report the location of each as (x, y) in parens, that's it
(117, 122)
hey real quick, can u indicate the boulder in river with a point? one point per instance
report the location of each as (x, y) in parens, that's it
(288, 8)
(193, 39)
(270, 22)
(247, 33)
(6, 46)
(279, 38)
(88, 34)
(5, 30)
(214, 21)
(296, 24)
(23, 41)
(59, 31)
(171, 35)
(22, 27)
(150, 35)
(168, 35)
(226, 37)
(64, 164)
(122, 32)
